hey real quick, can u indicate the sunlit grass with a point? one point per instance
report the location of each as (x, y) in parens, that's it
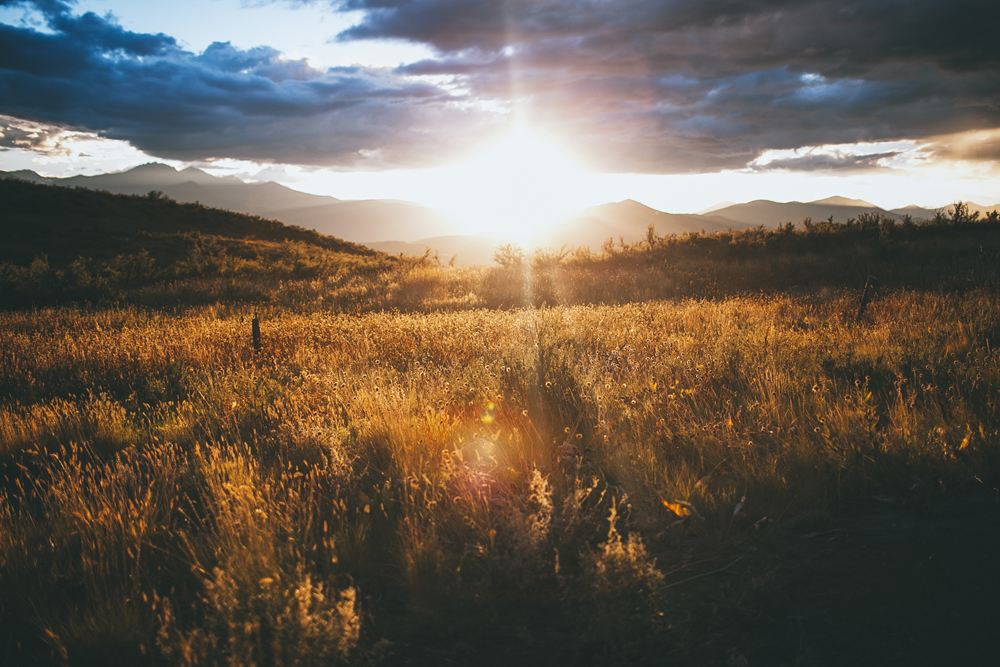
(169, 493)
(419, 448)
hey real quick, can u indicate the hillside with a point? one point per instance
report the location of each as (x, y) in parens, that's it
(915, 212)
(844, 201)
(981, 210)
(625, 220)
(466, 250)
(65, 223)
(369, 220)
(357, 221)
(64, 244)
(771, 213)
(630, 220)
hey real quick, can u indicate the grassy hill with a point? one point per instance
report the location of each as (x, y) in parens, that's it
(66, 223)
(359, 221)
(82, 244)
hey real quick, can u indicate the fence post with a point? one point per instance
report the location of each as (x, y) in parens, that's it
(866, 296)
(255, 333)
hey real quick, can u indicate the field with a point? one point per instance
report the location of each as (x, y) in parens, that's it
(561, 459)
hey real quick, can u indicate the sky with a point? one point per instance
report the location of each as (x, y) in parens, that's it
(514, 112)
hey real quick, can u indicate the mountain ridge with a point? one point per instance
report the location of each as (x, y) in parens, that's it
(400, 226)
(62, 224)
(344, 219)
(843, 201)
(770, 213)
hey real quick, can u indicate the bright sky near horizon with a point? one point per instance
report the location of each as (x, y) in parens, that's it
(516, 112)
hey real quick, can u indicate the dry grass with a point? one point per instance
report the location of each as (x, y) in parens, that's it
(168, 494)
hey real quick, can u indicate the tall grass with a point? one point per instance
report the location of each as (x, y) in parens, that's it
(171, 496)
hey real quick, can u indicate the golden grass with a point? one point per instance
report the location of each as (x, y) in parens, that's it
(167, 491)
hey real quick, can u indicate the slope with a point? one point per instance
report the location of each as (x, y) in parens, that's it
(353, 220)
(626, 220)
(771, 213)
(915, 212)
(64, 224)
(629, 220)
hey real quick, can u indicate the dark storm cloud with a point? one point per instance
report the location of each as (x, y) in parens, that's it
(695, 85)
(630, 85)
(836, 36)
(88, 73)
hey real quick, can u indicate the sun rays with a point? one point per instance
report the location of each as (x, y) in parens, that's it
(515, 187)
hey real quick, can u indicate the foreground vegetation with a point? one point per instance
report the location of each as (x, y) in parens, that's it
(364, 478)
(475, 459)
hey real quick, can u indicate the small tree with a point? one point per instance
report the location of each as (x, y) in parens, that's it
(509, 255)
(652, 240)
(960, 214)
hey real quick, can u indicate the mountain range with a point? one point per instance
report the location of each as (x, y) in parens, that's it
(629, 220)
(626, 221)
(59, 225)
(395, 227)
(352, 220)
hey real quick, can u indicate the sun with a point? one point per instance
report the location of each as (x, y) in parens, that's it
(516, 188)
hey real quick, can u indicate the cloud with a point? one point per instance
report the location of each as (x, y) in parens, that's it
(823, 161)
(696, 86)
(971, 146)
(629, 86)
(845, 37)
(26, 135)
(90, 74)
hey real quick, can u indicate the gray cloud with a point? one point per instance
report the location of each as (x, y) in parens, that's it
(692, 86)
(630, 85)
(88, 73)
(827, 162)
(835, 38)
(27, 136)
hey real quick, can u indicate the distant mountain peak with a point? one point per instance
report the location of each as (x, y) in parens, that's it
(202, 177)
(24, 175)
(629, 207)
(720, 205)
(844, 201)
(29, 176)
(152, 166)
(635, 204)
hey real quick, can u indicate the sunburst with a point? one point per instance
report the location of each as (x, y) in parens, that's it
(516, 187)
